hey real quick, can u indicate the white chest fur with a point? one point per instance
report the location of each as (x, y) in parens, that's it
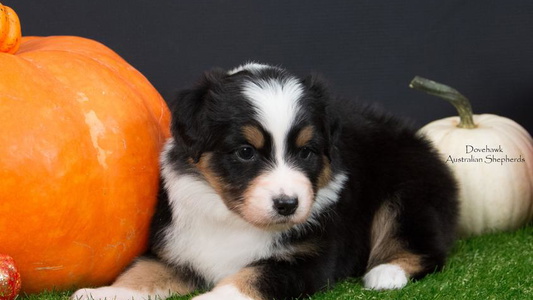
(207, 236)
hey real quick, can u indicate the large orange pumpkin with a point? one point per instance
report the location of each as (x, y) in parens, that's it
(80, 134)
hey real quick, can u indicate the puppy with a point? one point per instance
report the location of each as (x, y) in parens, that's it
(273, 189)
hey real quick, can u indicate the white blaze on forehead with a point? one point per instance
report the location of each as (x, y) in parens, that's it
(277, 104)
(252, 67)
(276, 101)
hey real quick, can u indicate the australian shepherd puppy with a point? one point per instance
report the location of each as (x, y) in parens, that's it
(273, 189)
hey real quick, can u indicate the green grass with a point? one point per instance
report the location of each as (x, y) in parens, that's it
(496, 266)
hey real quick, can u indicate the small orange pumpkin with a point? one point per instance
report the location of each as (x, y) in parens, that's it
(80, 135)
(10, 33)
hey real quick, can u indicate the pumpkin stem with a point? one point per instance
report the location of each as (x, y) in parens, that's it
(460, 102)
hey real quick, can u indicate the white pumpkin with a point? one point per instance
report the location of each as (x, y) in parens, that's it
(492, 159)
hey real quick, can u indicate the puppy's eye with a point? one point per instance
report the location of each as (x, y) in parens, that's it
(305, 153)
(246, 153)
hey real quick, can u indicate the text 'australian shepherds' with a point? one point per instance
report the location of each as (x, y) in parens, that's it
(272, 189)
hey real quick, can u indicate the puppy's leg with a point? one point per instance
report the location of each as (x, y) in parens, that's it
(241, 286)
(272, 279)
(393, 274)
(391, 262)
(145, 279)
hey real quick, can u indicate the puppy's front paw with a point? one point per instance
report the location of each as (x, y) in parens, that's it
(108, 293)
(225, 292)
(385, 277)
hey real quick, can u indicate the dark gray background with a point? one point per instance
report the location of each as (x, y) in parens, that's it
(368, 50)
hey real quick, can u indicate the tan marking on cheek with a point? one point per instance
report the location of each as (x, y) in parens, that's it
(153, 276)
(246, 281)
(203, 166)
(216, 182)
(305, 135)
(254, 136)
(326, 174)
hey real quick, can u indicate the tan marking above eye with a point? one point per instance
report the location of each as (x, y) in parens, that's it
(305, 135)
(254, 136)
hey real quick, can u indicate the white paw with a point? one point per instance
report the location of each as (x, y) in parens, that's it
(225, 292)
(385, 277)
(109, 293)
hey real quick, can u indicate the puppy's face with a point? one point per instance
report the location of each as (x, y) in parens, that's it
(260, 138)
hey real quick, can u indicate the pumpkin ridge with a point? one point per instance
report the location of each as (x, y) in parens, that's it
(118, 72)
(110, 59)
(140, 78)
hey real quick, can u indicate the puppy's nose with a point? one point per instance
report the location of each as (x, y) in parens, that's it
(285, 205)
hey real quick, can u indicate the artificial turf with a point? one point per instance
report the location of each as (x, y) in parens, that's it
(495, 266)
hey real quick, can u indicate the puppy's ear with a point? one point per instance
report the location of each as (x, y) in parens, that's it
(333, 128)
(318, 88)
(190, 124)
(316, 84)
